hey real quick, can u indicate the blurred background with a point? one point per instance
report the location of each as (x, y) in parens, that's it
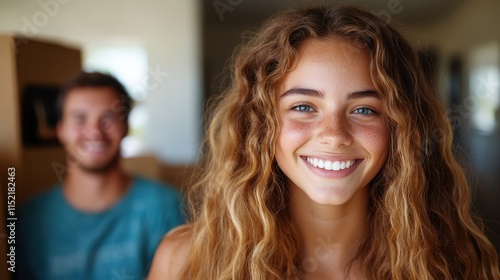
(171, 56)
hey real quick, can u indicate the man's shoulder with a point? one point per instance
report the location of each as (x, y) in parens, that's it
(155, 188)
(156, 194)
(158, 201)
(43, 209)
(43, 202)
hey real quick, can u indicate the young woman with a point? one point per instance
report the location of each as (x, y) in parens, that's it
(329, 157)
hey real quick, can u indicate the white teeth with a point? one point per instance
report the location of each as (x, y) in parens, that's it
(336, 165)
(329, 165)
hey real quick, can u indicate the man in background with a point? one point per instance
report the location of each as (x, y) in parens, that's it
(99, 223)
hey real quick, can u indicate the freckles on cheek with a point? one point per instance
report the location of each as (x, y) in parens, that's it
(294, 131)
(376, 137)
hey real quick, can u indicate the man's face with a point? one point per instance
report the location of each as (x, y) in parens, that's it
(92, 127)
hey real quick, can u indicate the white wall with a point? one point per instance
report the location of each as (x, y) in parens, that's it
(169, 32)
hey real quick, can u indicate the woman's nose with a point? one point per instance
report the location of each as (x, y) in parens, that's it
(334, 130)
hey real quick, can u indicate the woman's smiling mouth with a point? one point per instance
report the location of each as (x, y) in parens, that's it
(331, 165)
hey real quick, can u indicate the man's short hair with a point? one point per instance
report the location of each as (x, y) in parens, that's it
(96, 79)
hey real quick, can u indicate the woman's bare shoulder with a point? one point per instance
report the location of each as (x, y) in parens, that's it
(172, 254)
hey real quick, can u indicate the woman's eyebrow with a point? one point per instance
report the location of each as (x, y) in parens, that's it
(316, 93)
(363, 94)
(303, 91)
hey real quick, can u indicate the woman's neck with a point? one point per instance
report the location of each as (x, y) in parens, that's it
(329, 235)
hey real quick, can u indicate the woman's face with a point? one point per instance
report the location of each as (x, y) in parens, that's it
(334, 137)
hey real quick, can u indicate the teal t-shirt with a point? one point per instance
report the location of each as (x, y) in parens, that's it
(56, 241)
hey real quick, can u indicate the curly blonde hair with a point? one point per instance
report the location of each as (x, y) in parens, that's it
(420, 225)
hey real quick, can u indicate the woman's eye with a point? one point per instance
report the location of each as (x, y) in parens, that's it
(303, 108)
(363, 111)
